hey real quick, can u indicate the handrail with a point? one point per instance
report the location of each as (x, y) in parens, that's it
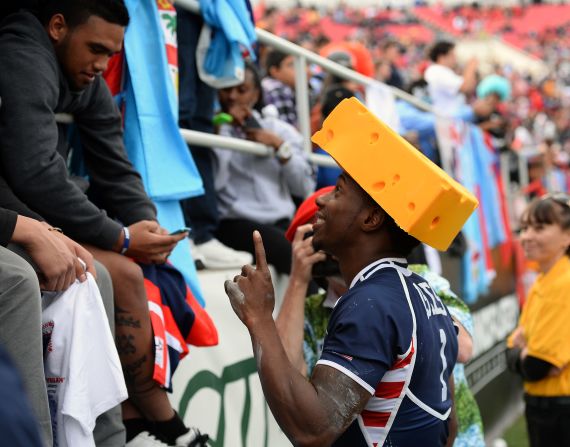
(203, 139)
(249, 147)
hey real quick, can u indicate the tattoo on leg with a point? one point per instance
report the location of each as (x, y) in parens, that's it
(121, 320)
(125, 345)
(120, 310)
(133, 372)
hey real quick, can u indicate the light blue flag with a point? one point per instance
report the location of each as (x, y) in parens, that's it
(170, 217)
(490, 202)
(152, 138)
(474, 270)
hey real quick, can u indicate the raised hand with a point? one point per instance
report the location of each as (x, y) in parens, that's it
(251, 294)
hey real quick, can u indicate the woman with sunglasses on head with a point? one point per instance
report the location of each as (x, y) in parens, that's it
(539, 348)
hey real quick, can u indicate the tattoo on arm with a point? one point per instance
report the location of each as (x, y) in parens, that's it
(133, 371)
(125, 345)
(121, 320)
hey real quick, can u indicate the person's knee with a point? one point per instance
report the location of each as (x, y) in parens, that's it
(128, 285)
(21, 280)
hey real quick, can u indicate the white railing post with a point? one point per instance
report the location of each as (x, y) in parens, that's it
(302, 100)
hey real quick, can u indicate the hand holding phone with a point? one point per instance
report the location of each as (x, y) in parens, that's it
(180, 231)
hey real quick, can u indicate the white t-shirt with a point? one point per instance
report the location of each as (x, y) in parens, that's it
(83, 373)
(443, 87)
(381, 101)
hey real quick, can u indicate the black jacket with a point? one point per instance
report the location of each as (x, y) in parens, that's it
(7, 225)
(33, 151)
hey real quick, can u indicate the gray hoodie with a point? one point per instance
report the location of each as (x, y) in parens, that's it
(33, 151)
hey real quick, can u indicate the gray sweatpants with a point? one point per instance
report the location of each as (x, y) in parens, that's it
(20, 333)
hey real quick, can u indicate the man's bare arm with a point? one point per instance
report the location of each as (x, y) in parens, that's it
(311, 413)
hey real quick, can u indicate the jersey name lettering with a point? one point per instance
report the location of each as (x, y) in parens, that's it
(432, 303)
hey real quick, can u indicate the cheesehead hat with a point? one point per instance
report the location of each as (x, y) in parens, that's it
(423, 200)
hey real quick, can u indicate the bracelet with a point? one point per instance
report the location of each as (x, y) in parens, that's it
(126, 240)
(59, 230)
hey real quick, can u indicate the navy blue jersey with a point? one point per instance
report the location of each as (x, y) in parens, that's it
(392, 334)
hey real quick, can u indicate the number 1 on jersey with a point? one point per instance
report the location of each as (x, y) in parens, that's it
(443, 340)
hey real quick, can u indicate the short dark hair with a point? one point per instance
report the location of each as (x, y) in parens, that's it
(391, 43)
(252, 68)
(77, 12)
(401, 242)
(332, 97)
(441, 48)
(274, 59)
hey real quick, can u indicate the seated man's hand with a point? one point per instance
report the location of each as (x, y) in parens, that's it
(251, 294)
(304, 255)
(58, 265)
(149, 243)
(80, 253)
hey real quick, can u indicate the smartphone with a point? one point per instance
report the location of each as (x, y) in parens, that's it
(251, 123)
(181, 230)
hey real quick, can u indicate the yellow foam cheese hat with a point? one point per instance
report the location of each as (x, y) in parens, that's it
(423, 200)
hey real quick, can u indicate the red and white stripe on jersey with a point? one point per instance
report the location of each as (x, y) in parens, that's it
(377, 417)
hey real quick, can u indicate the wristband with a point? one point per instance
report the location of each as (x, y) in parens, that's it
(126, 240)
(284, 152)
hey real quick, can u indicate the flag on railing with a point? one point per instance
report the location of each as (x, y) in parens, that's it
(152, 137)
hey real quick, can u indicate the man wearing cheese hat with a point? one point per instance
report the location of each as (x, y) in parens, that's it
(384, 376)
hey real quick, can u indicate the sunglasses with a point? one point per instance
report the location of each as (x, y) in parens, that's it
(558, 197)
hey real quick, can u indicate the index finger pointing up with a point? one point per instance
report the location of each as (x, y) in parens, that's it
(260, 259)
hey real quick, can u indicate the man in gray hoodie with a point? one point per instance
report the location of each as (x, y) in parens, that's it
(52, 63)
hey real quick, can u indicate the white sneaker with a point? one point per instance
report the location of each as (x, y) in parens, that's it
(145, 439)
(193, 438)
(198, 258)
(215, 255)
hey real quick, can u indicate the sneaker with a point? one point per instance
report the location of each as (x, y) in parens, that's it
(198, 258)
(193, 438)
(145, 439)
(215, 255)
